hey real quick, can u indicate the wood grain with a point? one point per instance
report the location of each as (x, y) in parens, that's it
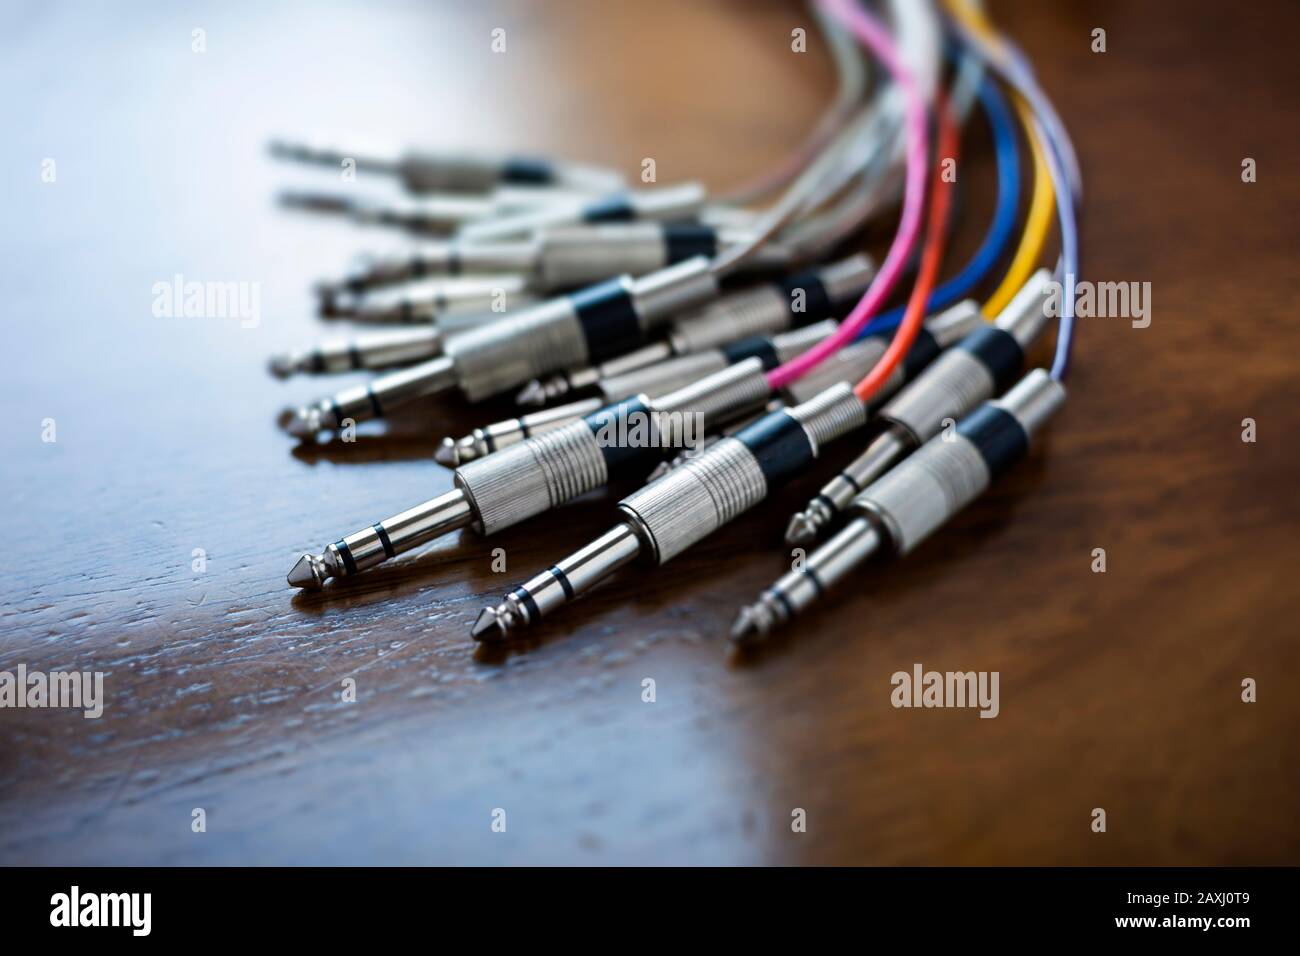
(1118, 690)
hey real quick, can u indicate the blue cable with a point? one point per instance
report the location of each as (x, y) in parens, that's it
(995, 241)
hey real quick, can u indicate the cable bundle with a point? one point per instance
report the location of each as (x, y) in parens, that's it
(698, 334)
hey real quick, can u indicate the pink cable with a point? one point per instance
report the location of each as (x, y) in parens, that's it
(873, 35)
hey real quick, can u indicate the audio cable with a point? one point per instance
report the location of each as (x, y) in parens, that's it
(666, 517)
(909, 503)
(905, 505)
(543, 472)
(557, 258)
(572, 330)
(809, 296)
(847, 365)
(650, 380)
(422, 172)
(560, 460)
(981, 366)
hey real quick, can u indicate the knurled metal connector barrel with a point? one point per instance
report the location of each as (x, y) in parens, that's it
(981, 364)
(907, 504)
(666, 517)
(374, 350)
(664, 204)
(534, 476)
(694, 500)
(949, 472)
(626, 438)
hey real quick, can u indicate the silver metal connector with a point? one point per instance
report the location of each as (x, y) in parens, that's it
(387, 539)
(661, 204)
(422, 172)
(952, 385)
(666, 517)
(375, 350)
(910, 502)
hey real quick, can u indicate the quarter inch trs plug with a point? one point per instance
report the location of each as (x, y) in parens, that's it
(430, 301)
(908, 504)
(545, 471)
(422, 172)
(977, 368)
(689, 503)
(430, 215)
(661, 204)
(565, 332)
(853, 362)
(560, 257)
(768, 308)
(374, 350)
(652, 381)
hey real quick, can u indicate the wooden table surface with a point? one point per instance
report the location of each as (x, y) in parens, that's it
(1119, 690)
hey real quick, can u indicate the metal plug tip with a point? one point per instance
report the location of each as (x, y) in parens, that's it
(801, 530)
(748, 626)
(448, 453)
(283, 365)
(308, 572)
(534, 393)
(492, 624)
(300, 422)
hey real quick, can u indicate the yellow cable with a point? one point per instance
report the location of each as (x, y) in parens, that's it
(1042, 204)
(1038, 222)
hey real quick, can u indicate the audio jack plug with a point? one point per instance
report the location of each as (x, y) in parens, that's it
(452, 301)
(900, 510)
(565, 332)
(981, 365)
(652, 380)
(559, 257)
(660, 204)
(560, 462)
(457, 172)
(374, 350)
(547, 470)
(665, 518)
(428, 215)
(765, 309)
